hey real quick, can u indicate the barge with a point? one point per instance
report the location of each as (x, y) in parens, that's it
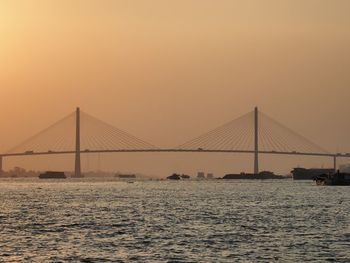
(52, 175)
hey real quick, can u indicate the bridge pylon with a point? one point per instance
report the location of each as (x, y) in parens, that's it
(256, 140)
(77, 172)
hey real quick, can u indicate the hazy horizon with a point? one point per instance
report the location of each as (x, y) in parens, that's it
(168, 72)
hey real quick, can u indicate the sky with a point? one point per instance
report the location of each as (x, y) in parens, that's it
(168, 71)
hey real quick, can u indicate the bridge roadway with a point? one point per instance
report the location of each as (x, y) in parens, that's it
(175, 151)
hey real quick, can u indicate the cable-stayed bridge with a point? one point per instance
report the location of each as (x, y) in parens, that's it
(253, 133)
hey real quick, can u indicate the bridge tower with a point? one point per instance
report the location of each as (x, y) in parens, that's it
(335, 163)
(256, 140)
(77, 146)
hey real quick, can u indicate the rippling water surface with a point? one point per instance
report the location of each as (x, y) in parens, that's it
(162, 221)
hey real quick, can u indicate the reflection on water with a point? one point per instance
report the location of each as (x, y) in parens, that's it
(197, 221)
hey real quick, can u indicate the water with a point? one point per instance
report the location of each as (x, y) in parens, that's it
(162, 221)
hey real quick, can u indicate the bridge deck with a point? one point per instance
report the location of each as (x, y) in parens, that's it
(174, 151)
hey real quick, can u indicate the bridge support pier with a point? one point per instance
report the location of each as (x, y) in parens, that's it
(77, 172)
(256, 140)
(335, 163)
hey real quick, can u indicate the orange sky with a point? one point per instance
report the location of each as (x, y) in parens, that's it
(167, 71)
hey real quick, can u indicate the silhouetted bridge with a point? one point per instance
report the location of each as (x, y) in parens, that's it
(254, 133)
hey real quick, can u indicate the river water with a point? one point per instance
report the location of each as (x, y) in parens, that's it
(93, 220)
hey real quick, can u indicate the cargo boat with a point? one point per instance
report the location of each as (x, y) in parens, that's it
(333, 179)
(52, 175)
(309, 174)
(260, 176)
(126, 176)
(174, 177)
(178, 177)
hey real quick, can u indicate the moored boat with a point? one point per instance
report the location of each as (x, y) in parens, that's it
(52, 175)
(248, 176)
(174, 177)
(126, 176)
(333, 179)
(309, 174)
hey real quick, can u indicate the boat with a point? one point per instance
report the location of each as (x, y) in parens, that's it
(261, 176)
(53, 175)
(333, 179)
(310, 174)
(126, 176)
(174, 177)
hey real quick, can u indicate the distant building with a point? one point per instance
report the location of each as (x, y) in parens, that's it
(201, 175)
(210, 176)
